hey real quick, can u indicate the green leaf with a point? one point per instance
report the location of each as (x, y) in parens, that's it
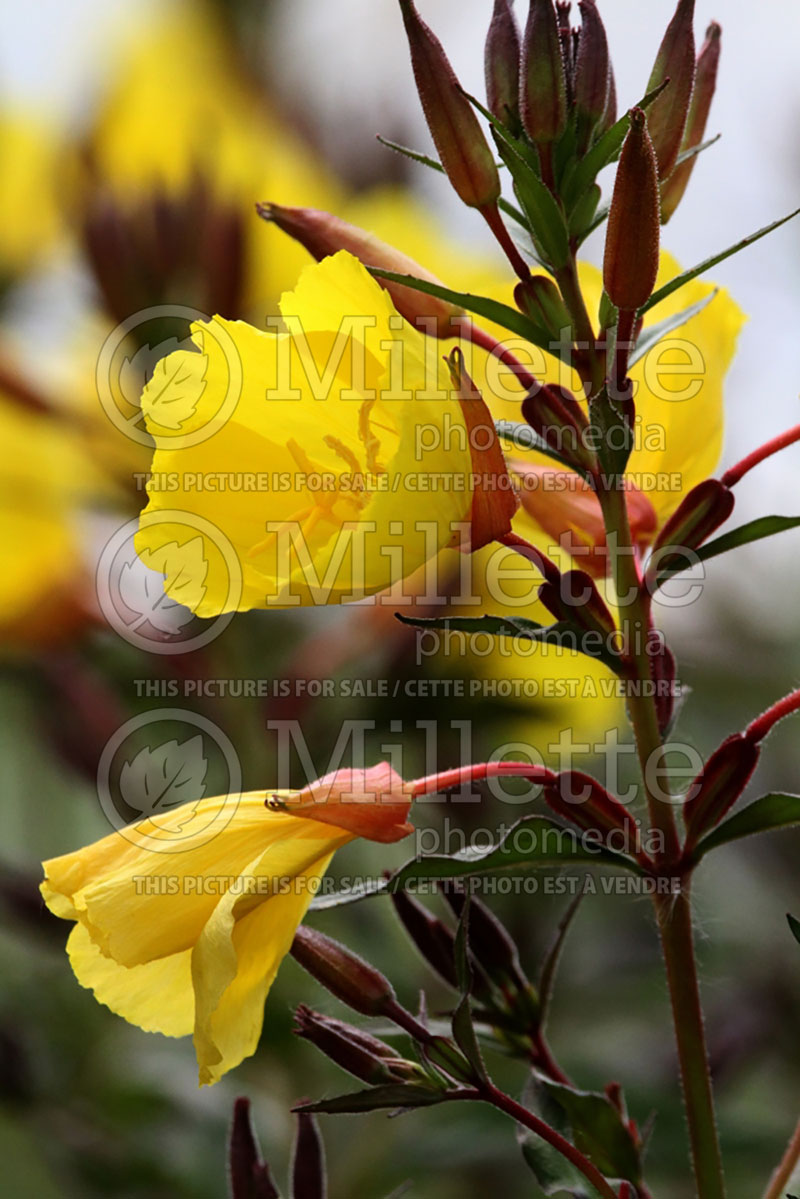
(598, 1130)
(547, 975)
(553, 1172)
(695, 150)
(463, 1028)
(523, 437)
(414, 155)
(687, 276)
(582, 216)
(601, 154)
(545, 218)
(561, 633)
(392, 1095)
(765, 815)
(493, 310)
(535, 842)
(754, 530)
(616, 440)
(794, 925)
(652, 335)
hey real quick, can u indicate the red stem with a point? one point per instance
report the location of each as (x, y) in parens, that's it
(447, 779)
(491, 215)
(767, 720)
(479, 337)
(738, 471)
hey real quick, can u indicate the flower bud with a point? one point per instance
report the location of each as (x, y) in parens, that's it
(490, 942)
(501, 65)
(432, 938)
(719, 784)
(543, 94)
(664, 669)
(463, 149)
(703, 510)
(556, 417)
(247, 1173)
(592, 74)
(668, 112)
(609, 117)
(494, 500)
(580, 798)
(309, 1178)
(630, 264)
(704, 87)
(539, 298)
(347, 976)
(323, 234)
(356, 1051)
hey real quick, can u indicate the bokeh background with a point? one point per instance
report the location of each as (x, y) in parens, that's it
(109, 111)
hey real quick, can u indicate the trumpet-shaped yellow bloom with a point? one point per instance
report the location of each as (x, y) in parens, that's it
(317, 466)
(189, 940)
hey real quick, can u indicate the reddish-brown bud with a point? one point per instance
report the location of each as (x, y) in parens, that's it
(491, 944)
(630, 265)
(433, 939)
(675, 61)
(344, 973)
(494, 500)
(356, 1051)
(719, 784)
(609, 117)
(703, 510)
(323, 234)
(501, 64)
(592, 74)
(556, 417)
(463, 149)
(249, 1176)
(704, 87)
(309, 1176)
(543, 84)
(580, 798)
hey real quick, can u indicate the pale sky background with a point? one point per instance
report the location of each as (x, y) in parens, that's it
(344, 65)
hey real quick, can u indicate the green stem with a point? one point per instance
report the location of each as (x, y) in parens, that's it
(673, 912)
(785, 1171)
(590, 362)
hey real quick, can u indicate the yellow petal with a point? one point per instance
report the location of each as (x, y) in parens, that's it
(157, 996)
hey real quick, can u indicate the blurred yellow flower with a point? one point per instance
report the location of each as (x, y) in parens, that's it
(331, 461)
(180, 932)
(30, 219)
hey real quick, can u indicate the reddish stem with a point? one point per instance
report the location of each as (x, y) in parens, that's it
(491, 215)
(447, 779)
(738, 471)
(542, 563)
(764, 724)
(479, 337)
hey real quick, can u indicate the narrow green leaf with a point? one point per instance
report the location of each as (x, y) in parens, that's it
(393, 1095)
(598, 1130)
(654, 333)
(547, 975)
(695, 150)
(687, 276)
(493, 310)
(584, 212)
(794, 925)
(601, 154)
(561, 633)
(764, 815)
(754, 530)
(463, 1027)
(523, 437)
(546, 220)
(414, 155)
(600, 217)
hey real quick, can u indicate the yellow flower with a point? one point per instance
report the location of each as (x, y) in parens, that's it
(179, 931)
(182, 110)
(30, 220)
(316, 466)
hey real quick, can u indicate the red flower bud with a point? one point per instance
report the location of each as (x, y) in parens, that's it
(719, 784)
(463, 150)
(247, 1173)
(610, 115)
(630, 265)
(668, 112)
(592, 74)
(356, 1051)
(323, 234)
(703, 510)
(580, 798)
(433, 939)
(494, 500)
(704, 87)
(543, 94)
(556, 417)
(501, 65)
(347, 976)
